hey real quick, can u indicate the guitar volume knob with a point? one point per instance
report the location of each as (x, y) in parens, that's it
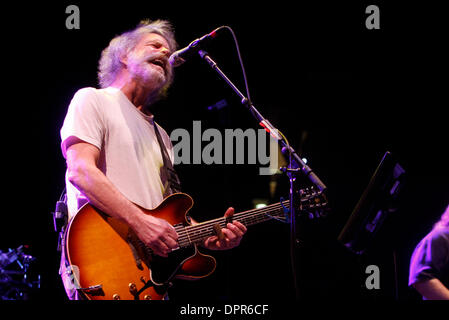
(132, 288)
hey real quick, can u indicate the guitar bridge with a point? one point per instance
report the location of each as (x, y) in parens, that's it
(96, 290)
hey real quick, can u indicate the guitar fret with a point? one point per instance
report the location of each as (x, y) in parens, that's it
(197, 233)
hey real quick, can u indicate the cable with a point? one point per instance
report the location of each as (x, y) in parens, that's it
(63, 196)
(248, 96)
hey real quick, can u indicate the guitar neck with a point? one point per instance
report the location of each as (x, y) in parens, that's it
(196, 234)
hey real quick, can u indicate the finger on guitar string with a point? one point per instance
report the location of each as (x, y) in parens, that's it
(210, 242)
(172, 233)
(229, 235)
(170, 242)
(236, 227)
(229, 212)
(241, 226)
(224, 241)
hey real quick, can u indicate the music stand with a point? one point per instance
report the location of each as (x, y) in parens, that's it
(377, 202)
(373, 207)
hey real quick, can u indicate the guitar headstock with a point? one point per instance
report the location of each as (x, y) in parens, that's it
(313, 203)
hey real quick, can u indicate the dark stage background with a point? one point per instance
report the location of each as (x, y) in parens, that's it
(342, 94)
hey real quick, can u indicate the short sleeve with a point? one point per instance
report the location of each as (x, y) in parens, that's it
(83, 120)
(429, 258)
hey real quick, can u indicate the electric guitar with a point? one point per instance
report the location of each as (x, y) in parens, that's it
(109, 262)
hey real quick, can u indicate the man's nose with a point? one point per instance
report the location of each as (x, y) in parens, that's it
(165, 51)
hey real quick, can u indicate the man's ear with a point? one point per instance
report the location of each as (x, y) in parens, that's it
(124, 60)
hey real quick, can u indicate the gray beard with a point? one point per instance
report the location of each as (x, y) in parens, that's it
(145, 74)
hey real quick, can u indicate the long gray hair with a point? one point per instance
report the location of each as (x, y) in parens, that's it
(110, 62)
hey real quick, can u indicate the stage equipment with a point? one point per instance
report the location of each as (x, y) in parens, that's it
(378, 200)
(17, 280)
(373, 212)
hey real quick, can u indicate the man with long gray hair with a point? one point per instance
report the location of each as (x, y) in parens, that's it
(115, 150)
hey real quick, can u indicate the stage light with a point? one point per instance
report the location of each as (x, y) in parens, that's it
(259, 203)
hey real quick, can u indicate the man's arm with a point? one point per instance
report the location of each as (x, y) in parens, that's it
(432, 289)
(83, 173)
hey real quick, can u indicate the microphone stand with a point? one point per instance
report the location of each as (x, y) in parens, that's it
(296, 164)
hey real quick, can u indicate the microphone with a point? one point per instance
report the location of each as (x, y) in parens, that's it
(180, 56)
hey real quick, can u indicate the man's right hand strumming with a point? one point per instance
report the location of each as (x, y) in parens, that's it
(156, 233)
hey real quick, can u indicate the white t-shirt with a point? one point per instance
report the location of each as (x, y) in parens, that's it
(130, 155)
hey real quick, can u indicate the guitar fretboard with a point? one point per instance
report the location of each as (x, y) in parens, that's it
(196, 234)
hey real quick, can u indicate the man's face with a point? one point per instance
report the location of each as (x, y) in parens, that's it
(148, 61)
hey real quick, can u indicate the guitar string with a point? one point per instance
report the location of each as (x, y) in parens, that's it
(185, 238)
(199, 235)
(250, 213)
(251, 216)
(247, 216)
(240, 216)
(192, 234)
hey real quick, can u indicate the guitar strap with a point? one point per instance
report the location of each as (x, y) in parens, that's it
(168, 174)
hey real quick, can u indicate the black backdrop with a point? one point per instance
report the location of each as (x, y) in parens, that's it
(342, 94)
